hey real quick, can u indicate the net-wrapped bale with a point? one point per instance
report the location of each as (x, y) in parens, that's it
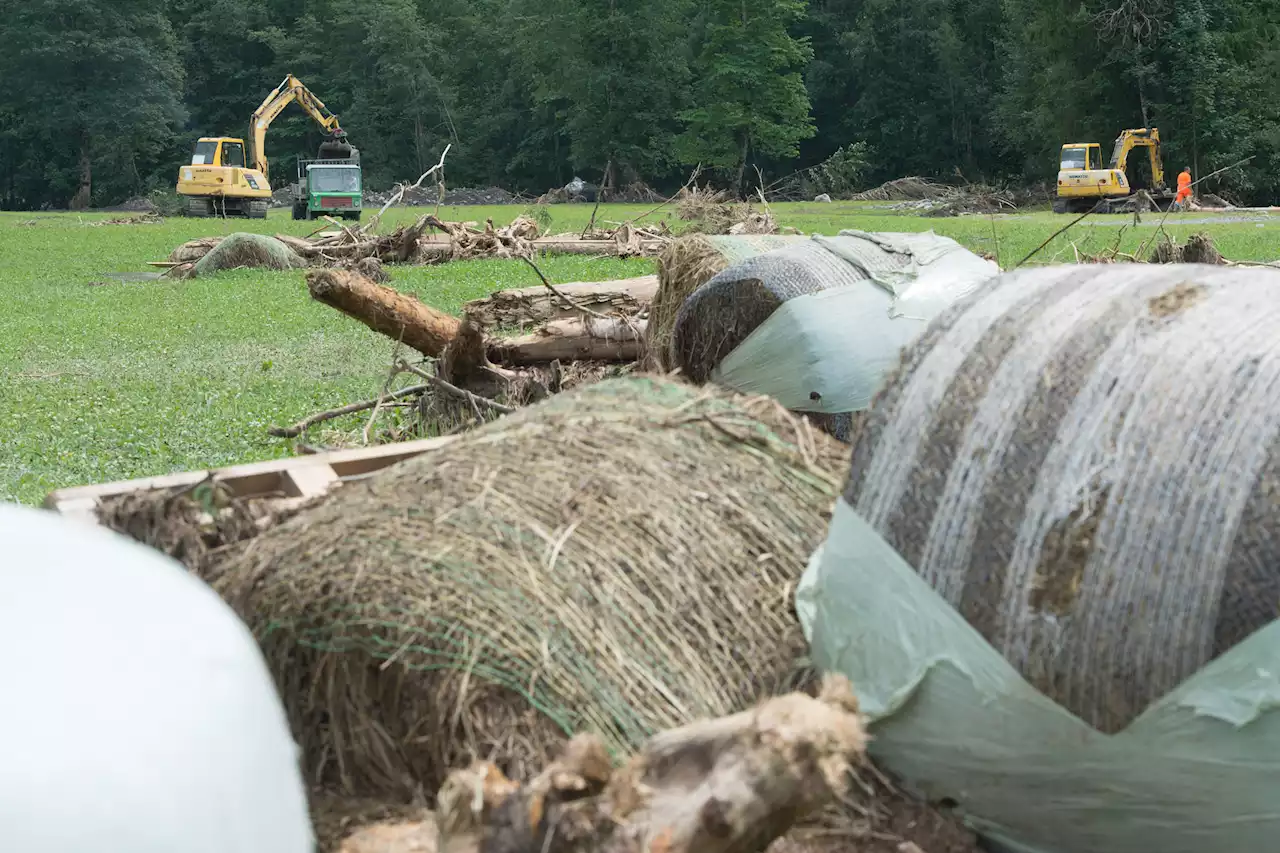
(1060, 548)
(684, 266)
(247, 250)
(617, 559)
(851, 303)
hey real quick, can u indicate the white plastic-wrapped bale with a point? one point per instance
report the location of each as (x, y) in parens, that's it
(1055, 572)
(819, 323)
(138, 714)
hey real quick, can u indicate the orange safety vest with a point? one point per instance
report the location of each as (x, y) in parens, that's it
(1184, 184)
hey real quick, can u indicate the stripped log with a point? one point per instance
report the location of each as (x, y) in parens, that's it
(730, 785)
(397, 315)
(532, 306)
(583, 338)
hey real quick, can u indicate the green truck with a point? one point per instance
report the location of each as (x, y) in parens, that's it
(329, 187)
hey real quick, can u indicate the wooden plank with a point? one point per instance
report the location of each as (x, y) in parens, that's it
(309, 481)
(296, 476)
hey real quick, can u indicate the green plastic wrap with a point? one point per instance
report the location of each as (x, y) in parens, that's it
(1198, 771)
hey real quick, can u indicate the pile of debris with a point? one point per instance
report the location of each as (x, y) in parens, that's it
(718, 212)
(904, 189)
(137, 204)
(431, 240)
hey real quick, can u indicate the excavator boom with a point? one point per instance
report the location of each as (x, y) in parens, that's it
(290, 90)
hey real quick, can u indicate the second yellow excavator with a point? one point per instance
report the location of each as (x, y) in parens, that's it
(223, 180)
(1084, 183)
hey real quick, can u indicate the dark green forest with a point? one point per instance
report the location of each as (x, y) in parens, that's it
(104, 98)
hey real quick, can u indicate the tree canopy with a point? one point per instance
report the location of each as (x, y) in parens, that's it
(102, 99)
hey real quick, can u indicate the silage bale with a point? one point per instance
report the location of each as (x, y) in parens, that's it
(247, 250)
(817, 324)
(685, 265)
(617, 559)
(1055, 570)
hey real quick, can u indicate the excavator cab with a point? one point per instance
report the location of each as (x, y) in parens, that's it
(219, 151)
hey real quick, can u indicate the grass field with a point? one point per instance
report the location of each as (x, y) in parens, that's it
(108, 377)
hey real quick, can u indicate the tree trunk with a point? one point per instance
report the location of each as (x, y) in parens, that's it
(533, 306)
(580, 339)
(394, 314)
(80, 201)
(742, 162)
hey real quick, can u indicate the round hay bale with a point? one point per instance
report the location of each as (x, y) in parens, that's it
(717, 318)
(616, 559)
(1082, 462)
(247, 250)
(685, 265)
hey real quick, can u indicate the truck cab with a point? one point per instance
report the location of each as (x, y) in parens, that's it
(328, 187)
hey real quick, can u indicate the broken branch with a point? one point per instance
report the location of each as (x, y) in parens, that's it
(306, 423)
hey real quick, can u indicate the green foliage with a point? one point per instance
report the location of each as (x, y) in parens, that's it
(618, 75)
(91, 101)
(749, 96)
(528, 95)
(843, 172)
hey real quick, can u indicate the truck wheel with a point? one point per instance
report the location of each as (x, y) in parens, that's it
(299, 211)
(1061, 205)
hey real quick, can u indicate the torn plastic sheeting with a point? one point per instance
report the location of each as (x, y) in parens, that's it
(1198, 771)
(880, 255)
(830, 351)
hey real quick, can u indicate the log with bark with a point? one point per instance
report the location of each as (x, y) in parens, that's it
(573, 339)
(731, 785)
(399, 316)
(533, 306)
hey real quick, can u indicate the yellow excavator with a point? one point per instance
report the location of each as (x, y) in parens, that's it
(1085, 184)
(217, 181)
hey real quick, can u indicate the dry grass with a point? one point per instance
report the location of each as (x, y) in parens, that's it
(684, 266)
(619, 559)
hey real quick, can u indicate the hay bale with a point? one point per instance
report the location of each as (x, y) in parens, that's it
(1082, 463)
(826, 355)
(247, 250)
(684, 266)
(616, 559)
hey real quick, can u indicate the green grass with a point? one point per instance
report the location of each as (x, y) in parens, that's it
(107, 379)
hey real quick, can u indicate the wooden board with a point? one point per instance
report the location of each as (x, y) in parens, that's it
(300, 477)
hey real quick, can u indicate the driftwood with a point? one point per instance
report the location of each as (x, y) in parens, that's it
(582, 338)
(397, 315)
(532, 306)
(731, 785)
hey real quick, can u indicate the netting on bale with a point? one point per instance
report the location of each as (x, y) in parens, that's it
(851, 303)
(1060, 550)
(684, 266)
(247, 250)
(618, 559)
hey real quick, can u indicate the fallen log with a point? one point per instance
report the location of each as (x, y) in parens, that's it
(438, 249)
(731, 785)
(532, 306)
(399, 316)
(582, 338)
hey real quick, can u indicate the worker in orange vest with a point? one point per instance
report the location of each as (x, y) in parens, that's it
(1184, 188)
